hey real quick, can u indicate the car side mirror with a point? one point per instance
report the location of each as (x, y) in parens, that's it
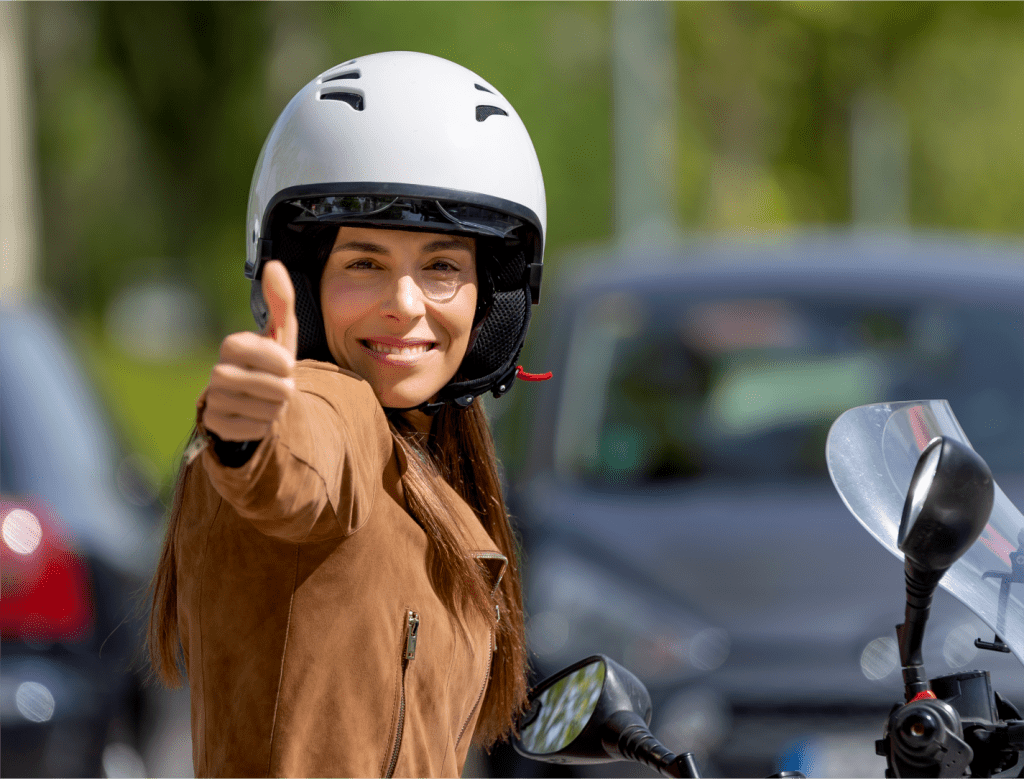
(595, 711)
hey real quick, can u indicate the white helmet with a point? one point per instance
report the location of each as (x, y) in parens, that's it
(403, 139)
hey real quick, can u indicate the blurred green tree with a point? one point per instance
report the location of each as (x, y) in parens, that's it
(770, 92)
(149, 118)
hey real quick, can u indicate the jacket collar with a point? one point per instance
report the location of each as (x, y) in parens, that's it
(494, 564)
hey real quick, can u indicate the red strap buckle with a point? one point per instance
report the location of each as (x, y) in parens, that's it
(521, 374)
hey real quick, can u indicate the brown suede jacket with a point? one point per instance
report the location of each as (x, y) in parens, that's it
(315, 644)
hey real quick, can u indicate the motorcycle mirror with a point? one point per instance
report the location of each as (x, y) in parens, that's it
(561, 708)
(947, 506)
(595, 711)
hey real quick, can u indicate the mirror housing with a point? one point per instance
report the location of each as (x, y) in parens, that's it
(595, 711)
(948, 505)
(620, 692)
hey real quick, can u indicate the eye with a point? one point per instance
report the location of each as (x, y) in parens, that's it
(363, 264)
(443, 265)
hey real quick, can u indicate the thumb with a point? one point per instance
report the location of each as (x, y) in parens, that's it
(278, 292)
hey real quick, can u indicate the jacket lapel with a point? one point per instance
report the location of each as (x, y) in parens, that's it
(494, 563)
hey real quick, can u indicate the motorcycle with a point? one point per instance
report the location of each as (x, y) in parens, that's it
(909, 475)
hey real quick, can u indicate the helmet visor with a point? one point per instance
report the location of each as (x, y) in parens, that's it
(407, 212)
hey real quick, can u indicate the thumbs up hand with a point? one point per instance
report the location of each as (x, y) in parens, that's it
(282, 326)
(254, 378)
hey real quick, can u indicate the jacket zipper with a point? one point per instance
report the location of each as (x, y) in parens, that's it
(412, 626)
(483, 688)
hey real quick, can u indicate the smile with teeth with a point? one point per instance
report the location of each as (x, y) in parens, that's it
(419, 348)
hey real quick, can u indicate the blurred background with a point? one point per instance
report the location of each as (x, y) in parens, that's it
(756, 136)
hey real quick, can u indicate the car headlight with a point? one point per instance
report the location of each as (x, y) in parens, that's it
(577, 608)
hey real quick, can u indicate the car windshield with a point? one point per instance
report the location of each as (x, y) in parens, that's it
(663, 391)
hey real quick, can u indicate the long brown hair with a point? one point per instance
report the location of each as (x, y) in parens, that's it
(460, 450)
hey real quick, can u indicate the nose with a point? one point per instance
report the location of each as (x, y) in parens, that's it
(404, 300)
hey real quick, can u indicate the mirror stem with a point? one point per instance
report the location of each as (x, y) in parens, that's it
(685, 765)
(634, 741)
(921, 586)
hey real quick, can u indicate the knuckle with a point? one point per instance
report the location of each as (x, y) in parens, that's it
(223, 377)
(235, 348)
(221, 402)
(215, 422)
(287, 360)
(230, 343)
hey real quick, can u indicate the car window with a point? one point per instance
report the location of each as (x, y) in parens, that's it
(664, 391)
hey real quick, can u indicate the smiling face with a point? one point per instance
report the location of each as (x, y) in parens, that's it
(398, 309)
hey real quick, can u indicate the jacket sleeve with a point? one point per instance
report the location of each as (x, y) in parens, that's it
(316, 473)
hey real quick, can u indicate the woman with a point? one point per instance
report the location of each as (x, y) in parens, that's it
(339, 575)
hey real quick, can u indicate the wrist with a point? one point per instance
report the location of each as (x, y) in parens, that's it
(233, 454)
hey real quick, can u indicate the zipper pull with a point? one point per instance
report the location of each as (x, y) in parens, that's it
(412, 626)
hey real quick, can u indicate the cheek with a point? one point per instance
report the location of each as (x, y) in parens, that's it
(341, 307)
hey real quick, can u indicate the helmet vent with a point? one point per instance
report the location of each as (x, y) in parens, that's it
(350, 74)
(483, 89)
(483, 111)
(354, 100)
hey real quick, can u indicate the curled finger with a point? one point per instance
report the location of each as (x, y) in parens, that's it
(257, 352)
(243, 405)
(232, 427)
(245, 381)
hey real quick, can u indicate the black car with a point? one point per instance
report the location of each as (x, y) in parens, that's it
(673, 496)
(80, 528)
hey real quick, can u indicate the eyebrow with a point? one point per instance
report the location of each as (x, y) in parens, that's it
(376, 248)
(360, 246)
(445, 243)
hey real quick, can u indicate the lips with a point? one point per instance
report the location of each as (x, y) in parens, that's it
(396, 347)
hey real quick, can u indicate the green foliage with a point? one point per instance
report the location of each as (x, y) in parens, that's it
(768, 89)
(149, 118)
(154, 403)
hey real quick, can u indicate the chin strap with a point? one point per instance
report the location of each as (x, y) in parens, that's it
(521, 374)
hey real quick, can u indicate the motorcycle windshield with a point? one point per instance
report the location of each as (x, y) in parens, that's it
(872, 452)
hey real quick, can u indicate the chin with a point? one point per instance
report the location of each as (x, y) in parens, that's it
(401, 403)
(398, 397)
